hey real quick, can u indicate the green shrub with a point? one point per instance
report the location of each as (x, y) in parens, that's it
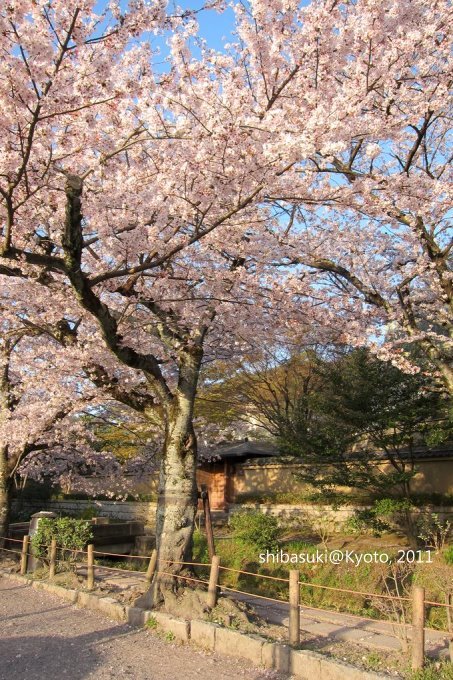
(254, 528)
(378, 519)
(433, 531)
(363, 521)
(200, 547)
(70, 534)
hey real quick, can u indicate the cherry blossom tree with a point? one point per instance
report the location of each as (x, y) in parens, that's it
(54, 376)
(156, 198)
(368, 210)
(95, 130)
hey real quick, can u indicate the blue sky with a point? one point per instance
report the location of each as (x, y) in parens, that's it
(215, 27)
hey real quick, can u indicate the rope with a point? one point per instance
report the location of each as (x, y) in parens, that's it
(18, 552)
(263, 597)
(354, 592)
(137, 557)
(439, 604)
(128, 571)
(238, 571)
(355, 616)
(186, 578)
(251, 573)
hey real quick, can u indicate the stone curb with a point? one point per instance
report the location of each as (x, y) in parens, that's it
(301, 663)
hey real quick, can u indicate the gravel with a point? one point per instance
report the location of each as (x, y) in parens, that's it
(43, 638)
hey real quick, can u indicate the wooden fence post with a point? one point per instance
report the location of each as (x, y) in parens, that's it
(208, 520)
(24, 555)
(53, 558)
(90, 567)
(418, 627)
(151, 566)
(294, 601)
(213, 581)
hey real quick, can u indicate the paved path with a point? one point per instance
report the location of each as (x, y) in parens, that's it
(42, 638)
(339, 626)
(319, 624)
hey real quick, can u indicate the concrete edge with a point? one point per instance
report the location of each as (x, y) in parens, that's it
(301, 663)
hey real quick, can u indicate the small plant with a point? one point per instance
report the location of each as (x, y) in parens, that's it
(261, 531)
(325, 527)
(373, 661)
(433, 532)
(169, 636)
(70, 535)
(397, 583)
(152, 623)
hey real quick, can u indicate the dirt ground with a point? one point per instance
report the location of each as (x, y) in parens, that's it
(42, 638)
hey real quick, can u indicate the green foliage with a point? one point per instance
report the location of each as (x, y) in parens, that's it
(433, 531)
(373, 661)
(152, 623)
(448, 555)
(200, 546)
(255, 528)
(86, 513)
(70, 534)
(364, 521)
(358, 405)
(377, 519)
(434, 671)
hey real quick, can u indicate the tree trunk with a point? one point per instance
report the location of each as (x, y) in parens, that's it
(178, 497)
(177, 507)
(5, 495)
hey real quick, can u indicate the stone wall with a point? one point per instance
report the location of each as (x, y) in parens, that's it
(296, 515)
(265, 479)
(124, 510)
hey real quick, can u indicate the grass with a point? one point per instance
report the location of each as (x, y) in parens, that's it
(433, 671)
(368, 578)
(129, 565)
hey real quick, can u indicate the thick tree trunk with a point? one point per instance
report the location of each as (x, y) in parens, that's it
(178, 498)
(5, 495)
(177, 507)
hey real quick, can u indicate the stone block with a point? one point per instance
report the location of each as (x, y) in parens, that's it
(70, 595)
(136, 616)
(306, 664)
(203, 633)
(111, 608)
(105, 605)
(338, 670)
(277, 656)
(179, 628)
(237, 644)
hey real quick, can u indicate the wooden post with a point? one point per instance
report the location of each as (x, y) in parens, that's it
(449, 603)
(24, 555)
(213, 581)
(208, 521)
(151, 566)
(53, 558)
(294, 601)
(90, 567)
(418, 627)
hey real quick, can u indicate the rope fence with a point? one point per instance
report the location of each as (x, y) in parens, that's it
(214, 587)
